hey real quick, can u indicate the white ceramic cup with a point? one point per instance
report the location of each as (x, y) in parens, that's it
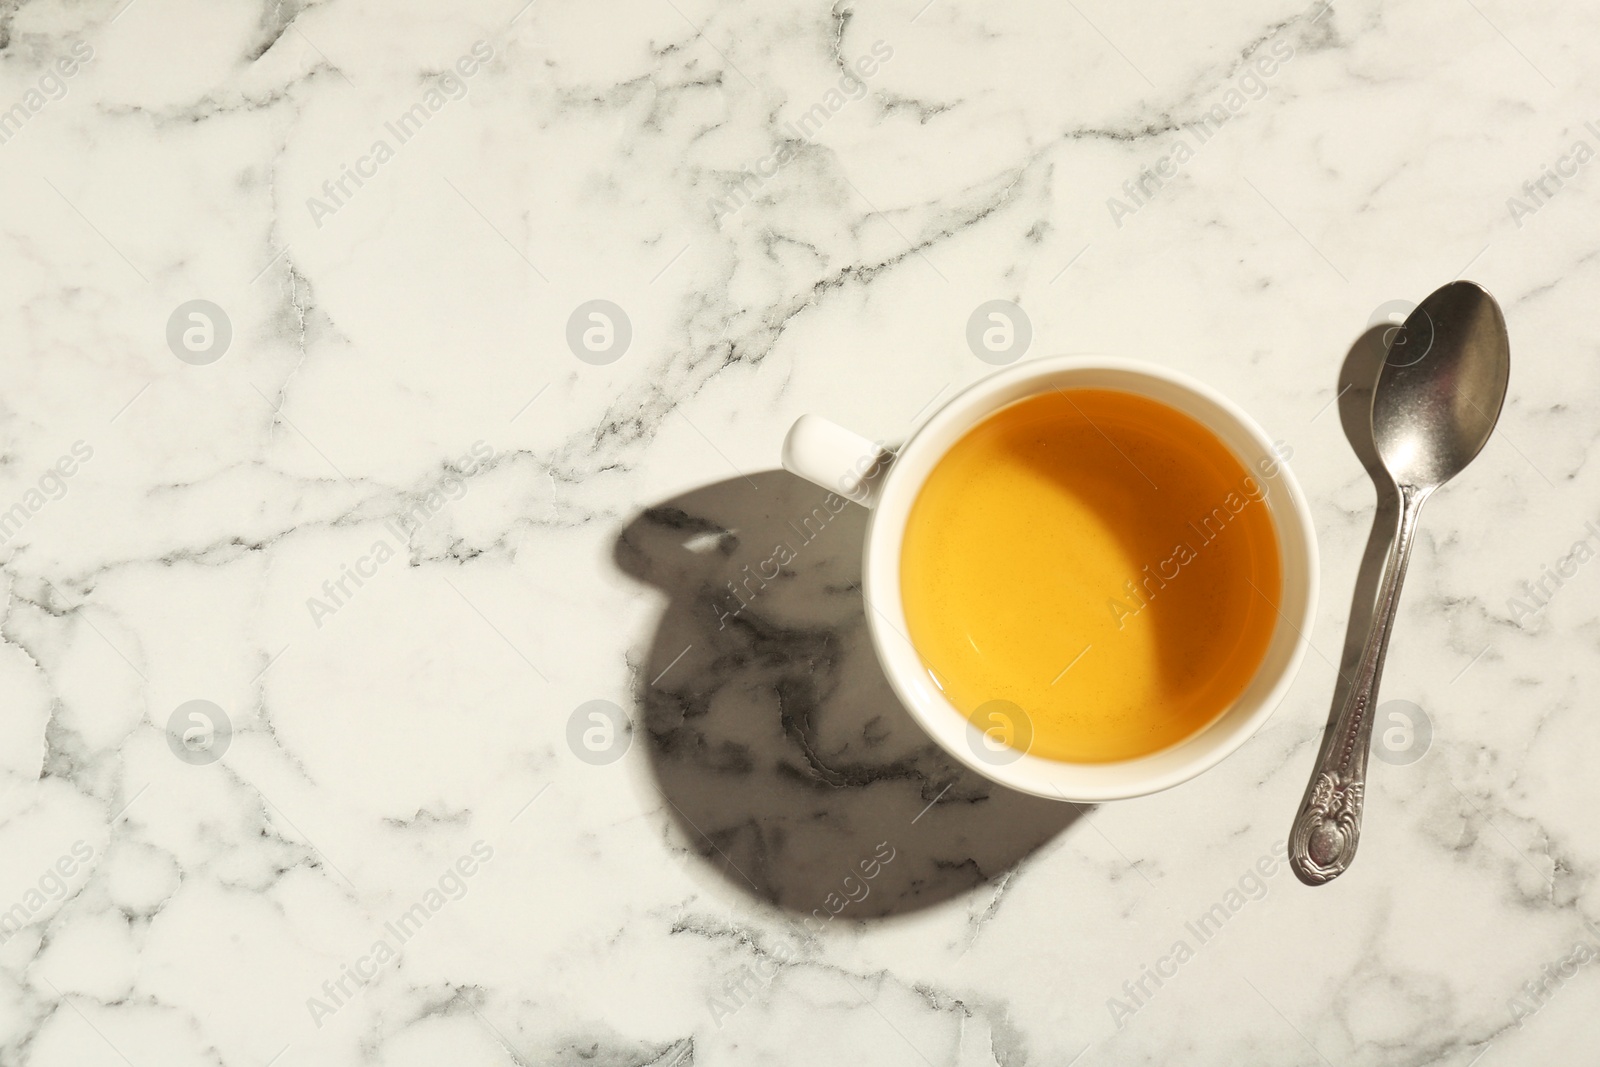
(889, 481)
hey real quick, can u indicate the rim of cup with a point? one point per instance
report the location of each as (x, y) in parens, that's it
(1057, 779)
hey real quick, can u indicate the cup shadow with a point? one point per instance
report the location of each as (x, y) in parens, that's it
(1357, 377)
(787, 761)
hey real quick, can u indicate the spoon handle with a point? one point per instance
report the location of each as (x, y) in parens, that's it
(1322, 844)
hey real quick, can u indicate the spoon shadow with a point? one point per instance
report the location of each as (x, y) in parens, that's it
(1357, 378)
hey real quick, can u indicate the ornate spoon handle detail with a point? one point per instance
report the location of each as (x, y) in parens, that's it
(1322, 844)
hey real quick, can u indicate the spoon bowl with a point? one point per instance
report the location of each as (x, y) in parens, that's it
(1441, 387)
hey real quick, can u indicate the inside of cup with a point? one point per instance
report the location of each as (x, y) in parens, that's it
(1057, 778)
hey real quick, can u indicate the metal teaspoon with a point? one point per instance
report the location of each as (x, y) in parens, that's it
(1434, 406)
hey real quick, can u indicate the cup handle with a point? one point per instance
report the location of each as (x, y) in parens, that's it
(836, 459)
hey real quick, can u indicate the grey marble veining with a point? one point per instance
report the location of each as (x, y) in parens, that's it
(375, 687)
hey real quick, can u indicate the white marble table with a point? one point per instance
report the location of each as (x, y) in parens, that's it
(367, 504)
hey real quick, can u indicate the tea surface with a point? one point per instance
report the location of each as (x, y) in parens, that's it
(1098, 560)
